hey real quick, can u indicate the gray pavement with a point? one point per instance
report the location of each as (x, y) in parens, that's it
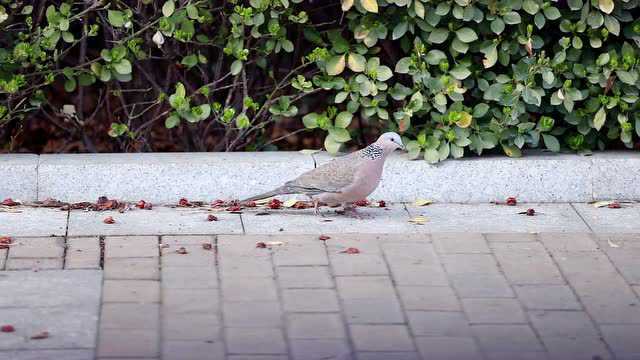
(471, 282)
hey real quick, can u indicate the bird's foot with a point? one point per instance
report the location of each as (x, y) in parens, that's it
(352, 213)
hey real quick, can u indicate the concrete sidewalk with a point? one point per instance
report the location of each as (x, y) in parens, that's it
(472, 282)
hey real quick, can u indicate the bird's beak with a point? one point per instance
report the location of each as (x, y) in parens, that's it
(402, 147)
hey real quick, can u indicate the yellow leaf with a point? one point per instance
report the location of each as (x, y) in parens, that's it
(274, 243)
(422, 202)
(289, 203)
(370, 5)
(606, 6)
(346, 5)
(263, 201)
(599, 204)
(418, 220)
(335, 65)
(465, 121)
(612, 244)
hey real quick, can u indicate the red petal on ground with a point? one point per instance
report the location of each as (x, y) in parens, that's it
(614, 205)
(212, 218)
(274, 204)
(217, 203)
(250, 204)
(351, 250)
(261, 245)
(184, 202)
(234, 208)
(10, 202)
(382, 203)
(7, 328)
(182, 251)
(109, 220)
(141, 204)
(363, 202)
(511, 201)
(324, 237)
(207, 246)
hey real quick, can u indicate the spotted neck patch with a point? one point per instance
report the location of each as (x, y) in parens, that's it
(372, 152)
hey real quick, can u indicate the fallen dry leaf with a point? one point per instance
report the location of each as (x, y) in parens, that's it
(207, 246)
(382, 203)
(612, 244)
(275, 243)
(109, 220)
(418, 220)
(7, 328)
(351, 251)
(263, 201)
(9, 202)
(261, 245)
(289, 203)
(217, 203)
(511, 201)
(182, 251)
(41, 335)
(301, 205)
(212, 218)
(52, 203)
(422, 202)
(324, 237)
(274, 204)
(604, 203)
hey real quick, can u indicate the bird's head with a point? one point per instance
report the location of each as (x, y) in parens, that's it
(390, 141)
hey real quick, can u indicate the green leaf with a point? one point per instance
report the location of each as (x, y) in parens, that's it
(575, 4)
(551, 13)
(530, 6)
(443, 8)
(343, 119)
(370, 5)
(413, 148)
(612, 24)
(606, 6)
(511, 151)
(116, 18)
(122, 67)
(192, 11)
(466, 35)
(310, 121)
(438, 35)
(399, 30)
(168, 8)
(531, 96)
(460, 72)
(627, 77)
(236, 67)
(539, 20)
(70, 84)
(551, 142)
(384, 73)
(435, 56)
(171, 121)
(431, 156)
(402, 66)
(480, 110)
(331, 145)
(190, 61)
(356, 62)
(335, 65)
(512, 18)
(599, 119)
(497, 26)
(339, 134)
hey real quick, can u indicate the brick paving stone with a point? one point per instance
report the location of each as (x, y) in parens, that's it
(481, 286)
(252, 314)
(183, 301)
(506, 338)
(238, 256)
(364, 287)
(625, 256)
(526, 263)
(120, 343)
(397, 355)
(82, 253)
(569, 242)
(179, 240)
(257, 357)
(249, 289)
(66, 354)
(547, 297)
(576, 348)
(623, 339)
(413, 263)
(129, 316)
(373, 311)
(450, 348)
(34, 264)
(520, 355)
(510, 237)
(460, 243)
(438, 323)
(3, 258)
(302, 250)
(315, 326)
(438, 298)
(310, 300)
(137, 291)
(381, 338)
(561, 324)
(194, 326)
(470, 264)
(304, 277)
(368, 262)
(255, 341)
(319, 349)
(494, 311)
(192, 350)
(196, 256)
(603, 292)
(37, 248)
(131, 268)
(203, 277)
(131, 246)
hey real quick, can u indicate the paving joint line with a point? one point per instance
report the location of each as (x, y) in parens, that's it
(283, 314)
(581, 218)
(223, 326)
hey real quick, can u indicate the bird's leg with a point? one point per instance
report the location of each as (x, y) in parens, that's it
(350, 210)
(316, 207)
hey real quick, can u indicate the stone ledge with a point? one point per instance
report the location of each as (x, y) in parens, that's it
(165, 177)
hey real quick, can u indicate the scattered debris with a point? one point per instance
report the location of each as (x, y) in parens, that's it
(144, 205)
(5, 242)
(326, 220)
(52, 203)
(10, 202)
(217, 203)
(7, 328)
(382, 203)
(324, 237)
(182, 251)
(605, 203)
(164, 246)
(275, 243)
(529, 212)
(207, 246)
(511, 201)
(262, 213)
(363, 202)
(212, 218)
(289, 203)
(422, 202)
(105, 204)
(274, 204)
(41, 335)
(234, 208)
(109, 220)
(261, 245)
(418, 220)
(250, 204)
(351, 251)
(612, 244)
(614, 205)
(184, 203)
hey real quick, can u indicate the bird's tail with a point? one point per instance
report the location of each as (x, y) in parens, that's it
(278, 191)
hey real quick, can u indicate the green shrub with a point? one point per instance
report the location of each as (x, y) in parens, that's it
(450, 76)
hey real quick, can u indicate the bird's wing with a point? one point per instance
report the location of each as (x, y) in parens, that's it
(329, 177)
